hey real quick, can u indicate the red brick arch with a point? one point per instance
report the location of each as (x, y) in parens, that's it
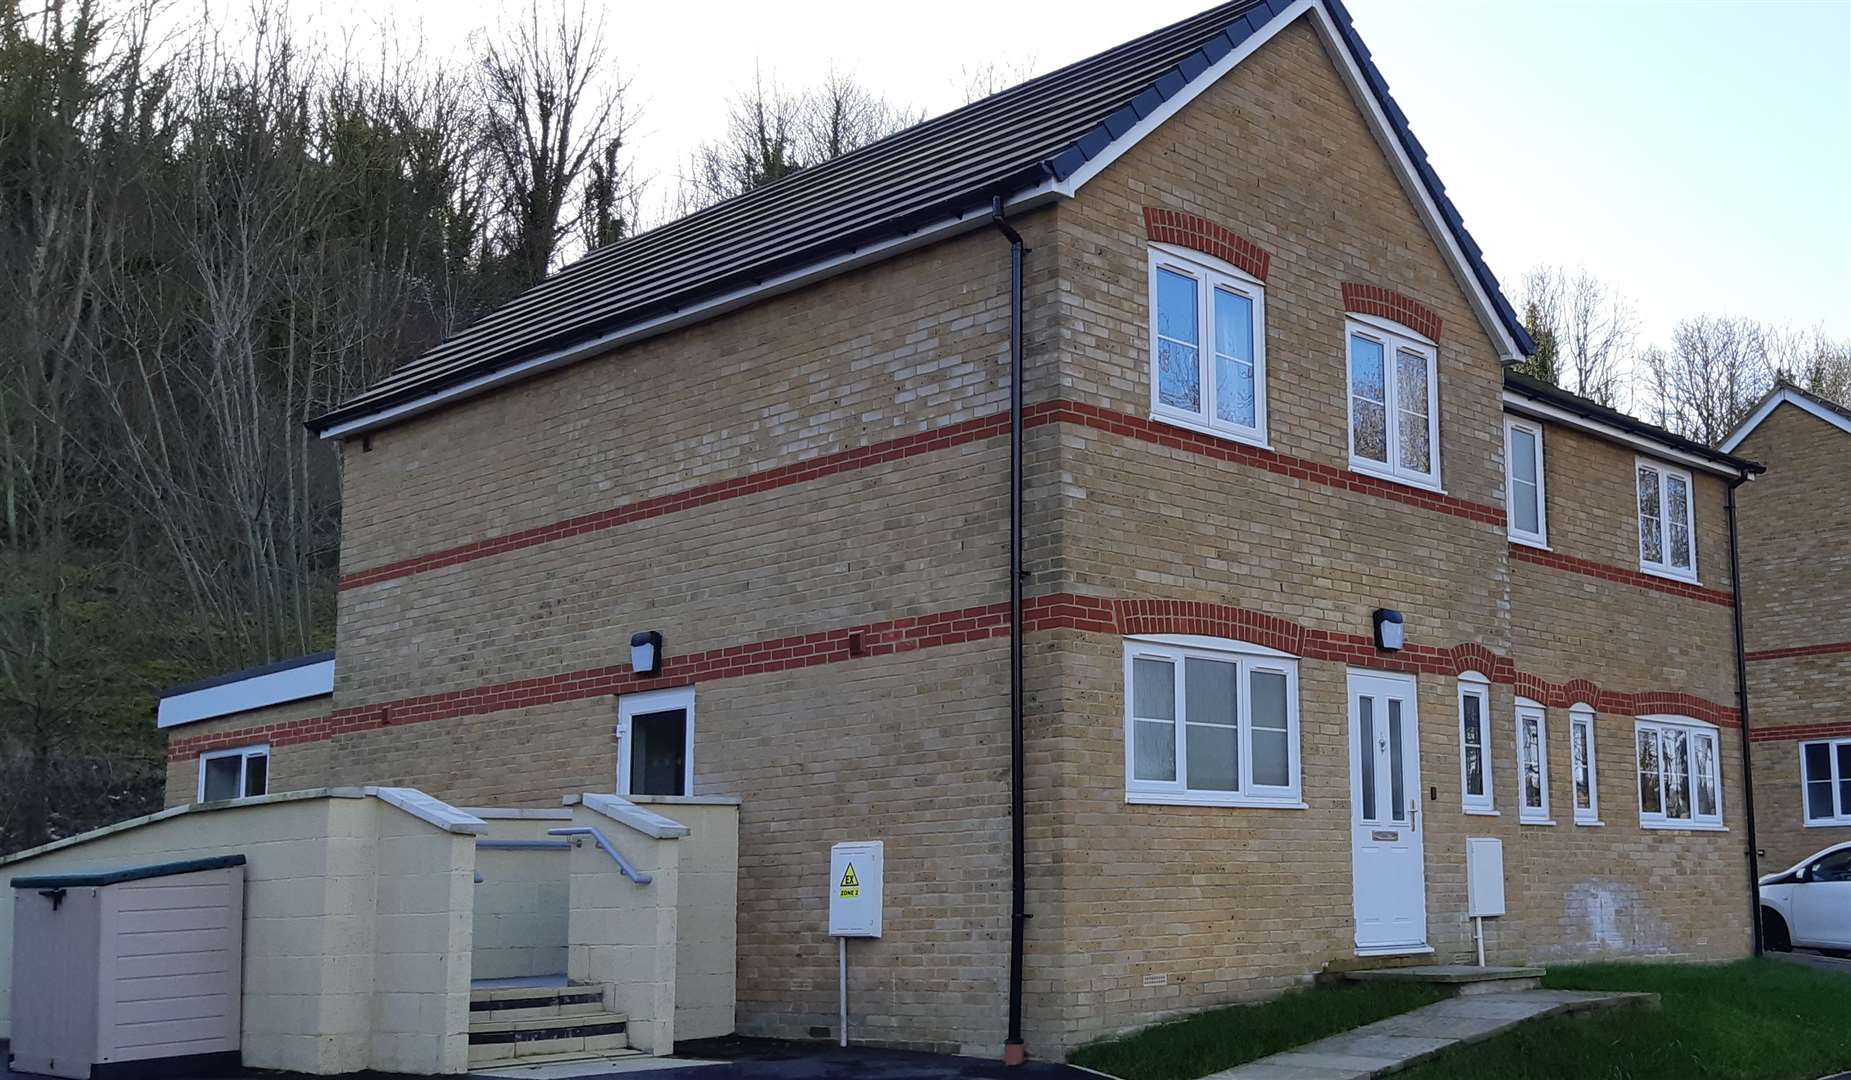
(1201, 234)
(1389, 304)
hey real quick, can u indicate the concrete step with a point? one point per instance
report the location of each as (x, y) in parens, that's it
(593, 1033)
(1461, 979)
(534, 1002)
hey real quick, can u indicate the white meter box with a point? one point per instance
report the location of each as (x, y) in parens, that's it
(855, 873)
(1484, 876)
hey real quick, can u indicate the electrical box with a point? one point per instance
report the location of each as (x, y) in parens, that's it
(855, 873)
(1484, 876)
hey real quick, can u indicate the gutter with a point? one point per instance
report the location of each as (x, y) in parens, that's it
(1741, 706)
(1014, 1052)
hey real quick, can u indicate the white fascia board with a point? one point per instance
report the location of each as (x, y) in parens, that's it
(1785, 397)
(700, 312)
(256, 692)
(1526, 406)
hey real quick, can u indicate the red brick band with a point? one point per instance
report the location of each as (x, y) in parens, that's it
(1201, 234)
(1827, 649)
(1389, 304)
(1801, 732)
(1058, 611)
(1525, 553)
(995, 425)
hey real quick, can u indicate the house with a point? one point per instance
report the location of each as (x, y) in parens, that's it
(1796, 620)
(1311, 590)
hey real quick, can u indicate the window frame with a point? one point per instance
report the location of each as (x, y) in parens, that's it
(1583, 716)
(1393, 337)
(1209, 274)
(244, 754)
(1526, 709)
(650, 701)
(1540, 537)
(1476, 686)
(1248, 658)
(1841, 802)
(1663, 568)
(1690, 726)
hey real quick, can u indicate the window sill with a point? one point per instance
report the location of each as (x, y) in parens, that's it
(1364, 467)
(1210, 430)
(1530, 542)
(1479, 811)
(1669, 575)
(1830, 823)
(1394, 950)
(1536, 821)
(1682, 826)
(1153, 798)
(1589, 822)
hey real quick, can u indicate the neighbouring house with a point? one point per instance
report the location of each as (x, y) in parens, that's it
(1796, 620)
(1312, 590)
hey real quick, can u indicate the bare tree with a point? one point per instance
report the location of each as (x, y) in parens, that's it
(841, 114)
(975, 82)
(1710, 377)
(1584, 330)
(548, 117)
(1812, 360)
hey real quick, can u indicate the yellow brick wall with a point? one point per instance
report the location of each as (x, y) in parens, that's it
(1796, 594)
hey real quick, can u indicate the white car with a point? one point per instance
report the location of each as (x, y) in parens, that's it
(1809, 904)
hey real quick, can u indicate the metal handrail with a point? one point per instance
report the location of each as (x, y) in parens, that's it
(623, 864)
(525, 845)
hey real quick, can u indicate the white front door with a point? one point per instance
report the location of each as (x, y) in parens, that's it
(1389, 869)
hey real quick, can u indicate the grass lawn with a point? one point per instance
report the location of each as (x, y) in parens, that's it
(1222, 1038)
(1751, 1019)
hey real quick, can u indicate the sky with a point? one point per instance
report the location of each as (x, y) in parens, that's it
(1696, 154)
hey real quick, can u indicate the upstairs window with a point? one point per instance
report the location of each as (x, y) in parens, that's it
(1825, 779)
(655, 742)
(1210, 725)
(1532, 764)
(1475, 744)
(1667, 523)
(234, 774)
(1680, 785)
(1208, 345)
(1394, 403)
(1526, 513)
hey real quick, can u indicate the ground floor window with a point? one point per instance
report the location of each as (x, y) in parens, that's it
(1581, 765)
(1475, 743)
(1532, 764)
(234, 774)
(1680, 784)
(1825, 777)
(1209, 721)
(655, 742)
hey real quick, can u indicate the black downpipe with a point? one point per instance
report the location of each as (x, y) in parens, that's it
(1014, 1052)
(1741, 708)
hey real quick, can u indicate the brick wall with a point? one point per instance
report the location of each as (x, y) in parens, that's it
(1796, 616)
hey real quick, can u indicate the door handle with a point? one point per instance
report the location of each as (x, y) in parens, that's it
(1413, 813)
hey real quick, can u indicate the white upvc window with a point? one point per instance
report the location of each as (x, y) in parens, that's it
(1825, 781)
(655, 742)
(1475, 744)
(1532, 763)
(1210, 722)
(1667, 521)
(1207, 345)
(239, 773)
(1526, 508)
(1680, 773)
(1394, 400)
(1581, 765)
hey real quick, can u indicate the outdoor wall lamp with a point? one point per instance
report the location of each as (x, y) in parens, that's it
(646, 652)
(1389, 632)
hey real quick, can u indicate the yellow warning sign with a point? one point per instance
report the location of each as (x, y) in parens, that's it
(851, 885)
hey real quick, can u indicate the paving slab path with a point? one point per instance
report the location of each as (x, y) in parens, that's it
(1388, 1046)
